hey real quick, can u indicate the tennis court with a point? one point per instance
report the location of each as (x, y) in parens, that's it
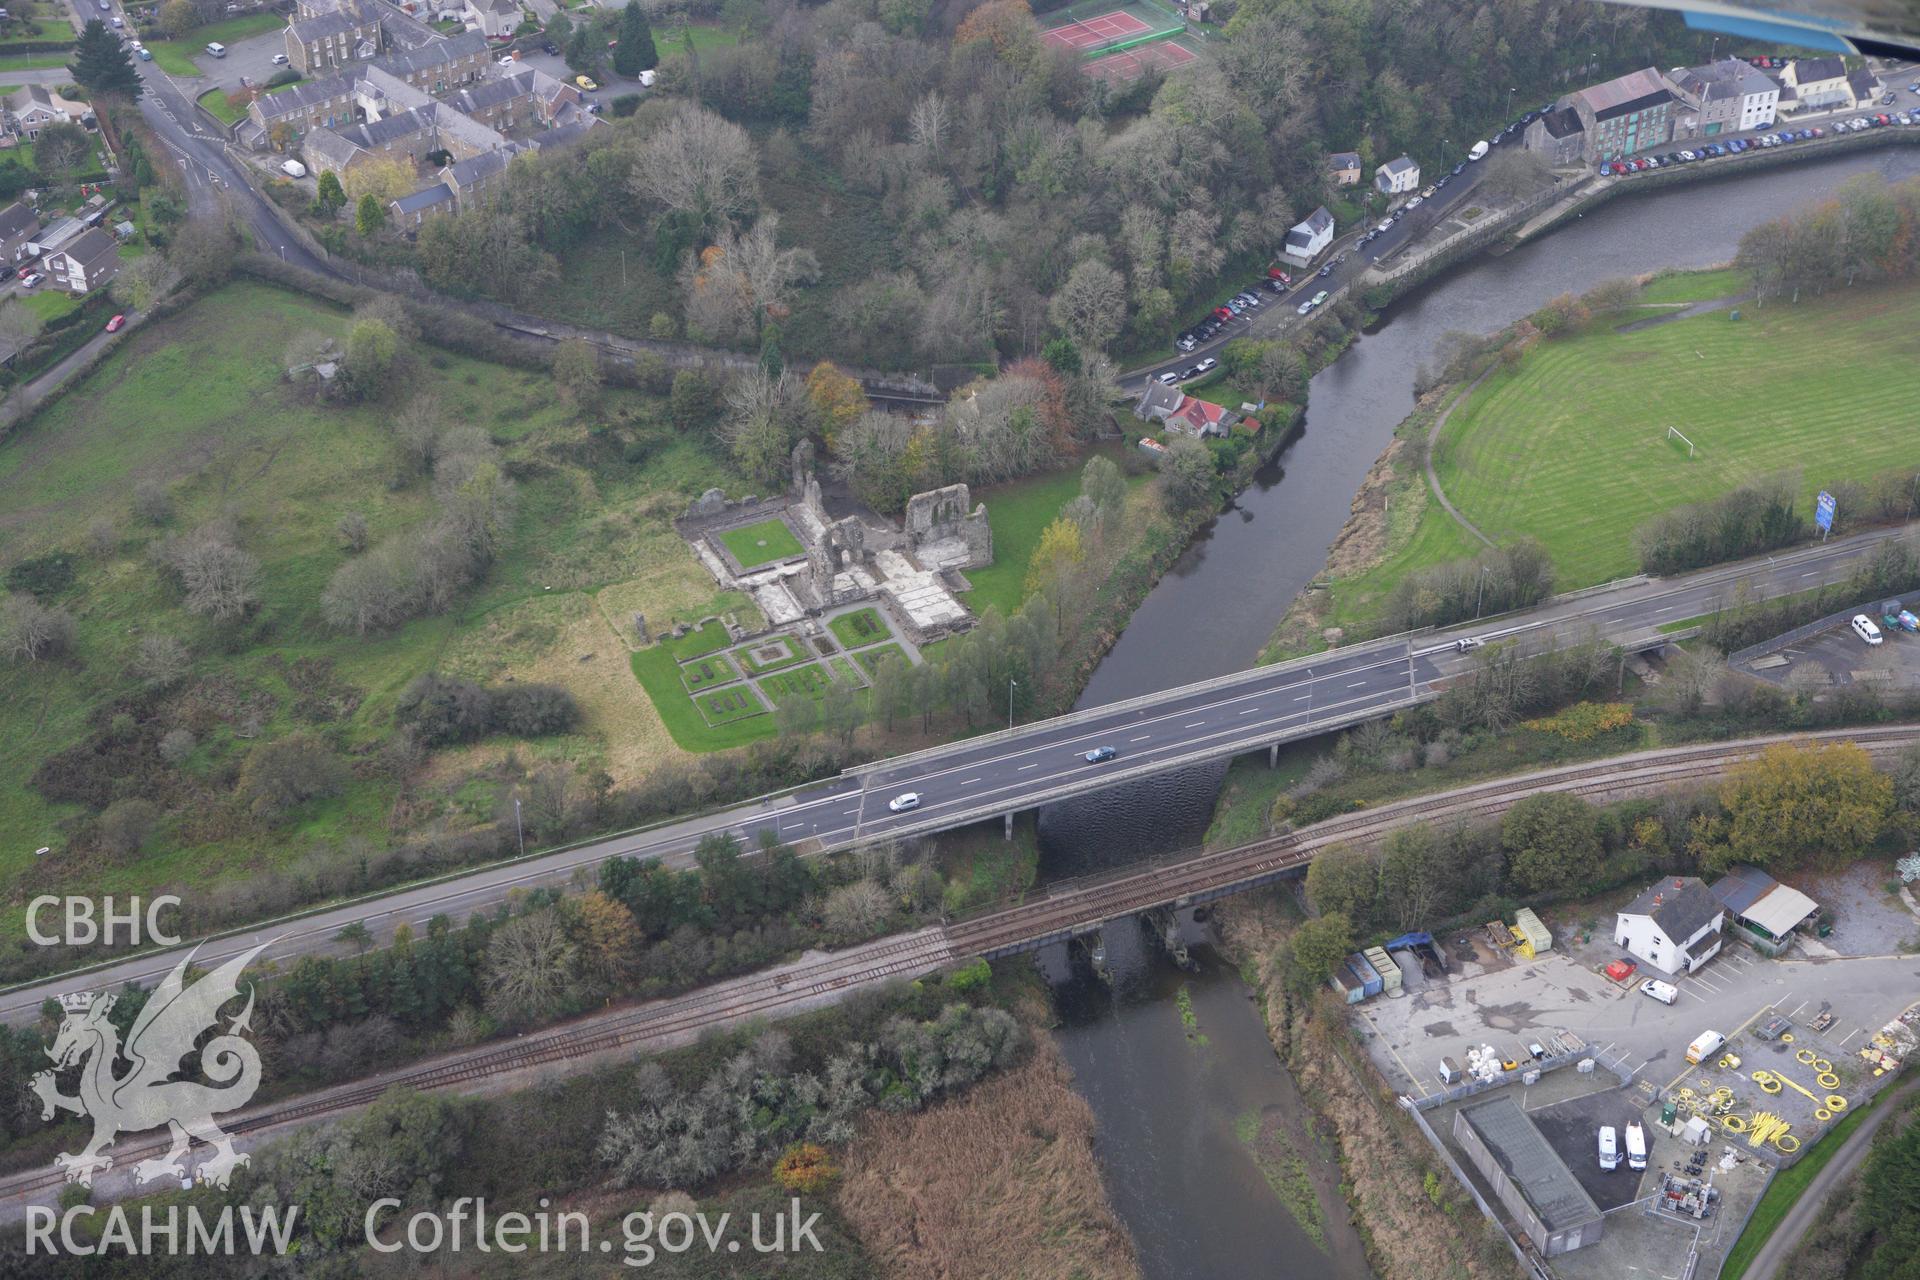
(1102, 29)
(1117, 68)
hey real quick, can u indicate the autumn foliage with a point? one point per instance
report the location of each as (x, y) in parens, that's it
(805, 1169)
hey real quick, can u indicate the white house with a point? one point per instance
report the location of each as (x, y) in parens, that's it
(1397, 177)
(1307, 239)
(1815, 84)
(1674, 926)
(86, 263)
(494, 19)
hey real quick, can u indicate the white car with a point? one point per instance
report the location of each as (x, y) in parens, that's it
(1385, 226)
(1206, 365)
(279, 59)
(1416, 202)
(904, 801)
(506, 60)
(1168, 378)
(1305, 307)
(1864, 627)
(1664, 992)
(31, 279)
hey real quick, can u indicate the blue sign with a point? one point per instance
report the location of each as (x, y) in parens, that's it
(1823, 511)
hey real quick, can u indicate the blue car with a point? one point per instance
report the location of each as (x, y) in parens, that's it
(1100, 755)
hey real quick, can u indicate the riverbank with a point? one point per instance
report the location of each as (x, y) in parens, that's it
(1416, 1222)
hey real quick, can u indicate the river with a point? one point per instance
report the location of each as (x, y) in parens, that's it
(1194, 1199)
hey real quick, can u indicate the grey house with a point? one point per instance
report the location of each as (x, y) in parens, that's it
(1559, 136)
(1528, 1177)
(1728, 96)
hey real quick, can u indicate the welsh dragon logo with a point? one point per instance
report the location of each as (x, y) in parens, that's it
(145, 1095)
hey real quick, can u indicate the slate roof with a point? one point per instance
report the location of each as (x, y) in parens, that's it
(437, 54)
(300, 98)
(1752, 894)
(1398, 165)
(91, 247)
(18, 219)
(1534, 1167)
(324, 27)
(467, 172)
(425, 198)
(1680, 905)
(1344, 160)
(1723, 80)
(1563, 123)
(1862, 83)
(1313, 224)
(1807, 70)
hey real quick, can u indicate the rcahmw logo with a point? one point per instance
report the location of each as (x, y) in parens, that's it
(146, 1096)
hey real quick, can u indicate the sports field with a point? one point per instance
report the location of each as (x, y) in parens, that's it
(1571, 444)
(1099, 25)
(1101, 29)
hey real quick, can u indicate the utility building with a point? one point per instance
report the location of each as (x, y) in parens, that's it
(1528, 1177)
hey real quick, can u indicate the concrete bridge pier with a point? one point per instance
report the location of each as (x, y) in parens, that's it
(1009, 818)
(1273, 756)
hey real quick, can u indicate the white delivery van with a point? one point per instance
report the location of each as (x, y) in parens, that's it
(1636, 1146)
(1479, 150)
(293, 168)
(1704, 1046)
(1664, 992)
(1609, 1149)
(217, 49)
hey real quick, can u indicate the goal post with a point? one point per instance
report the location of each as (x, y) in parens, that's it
(1675, 432)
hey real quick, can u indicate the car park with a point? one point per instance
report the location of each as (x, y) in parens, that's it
(1276, 286)
(1275, 273)
(1099, 755)
(904, 801)
(1866, 629)
(1221, 313)
(279, 59)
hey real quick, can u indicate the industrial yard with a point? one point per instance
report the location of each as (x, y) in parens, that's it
(1519, 1041)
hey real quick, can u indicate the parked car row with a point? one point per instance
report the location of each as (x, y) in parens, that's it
(1172, 376)
(1246, 301)
(1735, 146)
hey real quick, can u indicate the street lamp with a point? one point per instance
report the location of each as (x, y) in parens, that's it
(1011, 682)
(1481, 596)
(520, 830)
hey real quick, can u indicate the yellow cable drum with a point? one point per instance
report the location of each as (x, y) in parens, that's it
(1836, 1103)
(1804, 1056)
(1821, 1113)
(1734, 1123)
(1828, 1080)
(1787, 1143)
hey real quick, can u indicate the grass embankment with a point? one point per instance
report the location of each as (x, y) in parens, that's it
(1570, 445)
(196, 403)
(1786, 1189)
(215, 102)
(999, 1182)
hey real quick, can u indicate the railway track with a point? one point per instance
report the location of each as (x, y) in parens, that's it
(1066, 906)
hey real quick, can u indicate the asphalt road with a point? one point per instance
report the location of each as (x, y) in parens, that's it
(1007, 772)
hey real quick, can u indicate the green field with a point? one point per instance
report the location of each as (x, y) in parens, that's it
(704, 672)
(792, 652)
(809, 681)
(50, 304)
(864, 626)
(698, 642)
(1570, 446)
(197, 404)
(763, 543)
(659, 677)
(872, 658)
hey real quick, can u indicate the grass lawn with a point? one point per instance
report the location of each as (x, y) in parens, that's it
(32, 61)
(698, 642)
(1695, 286)
(809, 681)
(50, 304)
(674, 40)
(1787, 1187)
(864, 626)
(727, 706)
(790, 654)
(844, 670)
(762, 543)
(1018, 513)
(871, 658)
(215, 101)
(196, 403)
(1570, 445)
(704, 672)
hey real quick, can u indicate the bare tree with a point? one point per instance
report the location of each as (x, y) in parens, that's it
(763, 413)
(530, 967)
(161, 659)
(415, 428)
(699, 165)
(31, 631)
(1091, 306)
(222, 581)
(743, 279)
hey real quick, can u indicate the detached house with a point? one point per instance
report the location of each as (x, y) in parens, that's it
(1559, 136)
(494, 19)
(1343, 168)
(1309, 238)
(1177, 411)
(33, 107)
(1675, 926)
(86, 263)
(1397, 177)
(19, 223)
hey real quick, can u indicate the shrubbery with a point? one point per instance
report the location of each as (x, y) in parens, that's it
(441, 710)
(1752, 519)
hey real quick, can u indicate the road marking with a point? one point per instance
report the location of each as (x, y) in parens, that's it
(1023, 768)
(1809, 573)
(1195, 725)
(1667, 609)
(1142, 738)
(1305, 697)
(1797, 1008)
(1249, 711)
(968, 781)
(849, 811)
(1850, 1035)
(1356, 684)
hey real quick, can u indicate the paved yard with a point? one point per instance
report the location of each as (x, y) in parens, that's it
(1838, 657)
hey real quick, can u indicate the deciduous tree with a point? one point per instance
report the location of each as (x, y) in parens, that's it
(1792, 807)
(1551, 842)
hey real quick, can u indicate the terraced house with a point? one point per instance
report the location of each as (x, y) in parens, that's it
(1728, 96)
(1625, 116)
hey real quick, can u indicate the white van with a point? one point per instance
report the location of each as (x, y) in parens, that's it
(1609, 1151)
(1865, 628)
(1479, 150)
(1704, 1046)
(1636, 1146)
(293, 168)
(217, 49)
(1664, 992)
